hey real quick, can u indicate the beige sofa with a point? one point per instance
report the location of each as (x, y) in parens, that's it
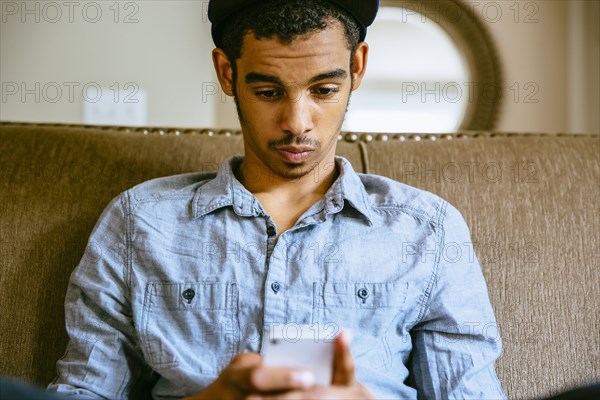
(532, 202)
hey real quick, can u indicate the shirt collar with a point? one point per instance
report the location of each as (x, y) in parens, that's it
(224, 190)
(348, 187)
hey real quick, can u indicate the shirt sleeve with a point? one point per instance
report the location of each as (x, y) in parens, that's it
(456, 341)
(102, 358)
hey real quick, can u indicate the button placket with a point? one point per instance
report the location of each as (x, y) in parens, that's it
(276, 287)
(275, 293)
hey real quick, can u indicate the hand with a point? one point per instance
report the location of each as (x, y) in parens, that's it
(344, 383)
(246, 378)
(245, 375)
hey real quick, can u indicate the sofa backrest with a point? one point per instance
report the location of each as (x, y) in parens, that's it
(532, 202)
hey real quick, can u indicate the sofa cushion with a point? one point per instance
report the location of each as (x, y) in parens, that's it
(532, 202)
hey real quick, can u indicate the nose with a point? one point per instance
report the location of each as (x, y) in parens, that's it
(296, 117)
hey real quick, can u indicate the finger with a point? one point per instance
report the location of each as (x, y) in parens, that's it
(238, 373)
(266, 379)
(316, 393)
(292, 395)
(343, 364)
(245, 360)
(246, 373)
(289, 395)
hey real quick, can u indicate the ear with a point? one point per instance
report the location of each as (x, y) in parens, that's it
(360, 64)
(223, 70)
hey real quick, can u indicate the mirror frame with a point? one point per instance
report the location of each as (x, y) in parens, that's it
(475, 43)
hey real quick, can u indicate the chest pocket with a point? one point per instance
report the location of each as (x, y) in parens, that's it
(190, 325)
(369, 310)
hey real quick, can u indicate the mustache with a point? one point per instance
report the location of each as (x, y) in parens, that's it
(296, 140)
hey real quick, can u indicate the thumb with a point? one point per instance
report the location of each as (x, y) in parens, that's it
(343, 364)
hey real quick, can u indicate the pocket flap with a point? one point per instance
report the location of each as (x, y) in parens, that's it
(360, 294)
(202, 295)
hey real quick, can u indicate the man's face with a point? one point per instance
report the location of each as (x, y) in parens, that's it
(292, 99)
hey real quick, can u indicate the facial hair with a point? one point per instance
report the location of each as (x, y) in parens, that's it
(293, 171)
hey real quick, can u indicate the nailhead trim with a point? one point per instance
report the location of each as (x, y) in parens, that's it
(350, 137)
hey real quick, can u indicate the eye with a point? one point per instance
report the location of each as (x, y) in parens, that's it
(326, 91)
(268, 93)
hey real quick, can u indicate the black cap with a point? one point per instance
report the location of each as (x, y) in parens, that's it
(364, 11)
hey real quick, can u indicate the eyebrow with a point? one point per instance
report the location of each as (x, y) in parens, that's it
(338, 73)
(255, 77)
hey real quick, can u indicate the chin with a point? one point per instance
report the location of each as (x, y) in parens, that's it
(294, 171)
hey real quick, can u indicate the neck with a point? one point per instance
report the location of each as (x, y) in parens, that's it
(314, 183)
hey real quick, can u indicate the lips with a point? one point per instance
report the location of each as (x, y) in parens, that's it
(295, 154)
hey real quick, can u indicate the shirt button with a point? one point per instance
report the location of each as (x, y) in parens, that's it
(188, 295)
(271, 230)
(363, 293)
(276, 286)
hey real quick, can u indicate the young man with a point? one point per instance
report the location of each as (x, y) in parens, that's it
(195, 267)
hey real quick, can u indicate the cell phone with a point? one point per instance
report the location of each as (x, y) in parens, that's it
(308, 347)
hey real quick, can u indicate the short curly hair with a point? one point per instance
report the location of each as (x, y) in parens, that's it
(285, 20)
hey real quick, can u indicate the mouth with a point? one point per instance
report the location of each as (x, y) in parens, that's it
(295, 154)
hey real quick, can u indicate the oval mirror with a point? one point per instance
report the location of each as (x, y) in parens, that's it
(432, 68)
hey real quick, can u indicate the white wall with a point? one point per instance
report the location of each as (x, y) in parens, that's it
(584, 66)
(533, 45)
(163, 47)
(546, 49)
(167, 53)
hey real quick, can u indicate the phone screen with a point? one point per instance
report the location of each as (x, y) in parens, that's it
(300, 346)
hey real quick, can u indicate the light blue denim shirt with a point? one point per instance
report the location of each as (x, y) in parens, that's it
(182, 273)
